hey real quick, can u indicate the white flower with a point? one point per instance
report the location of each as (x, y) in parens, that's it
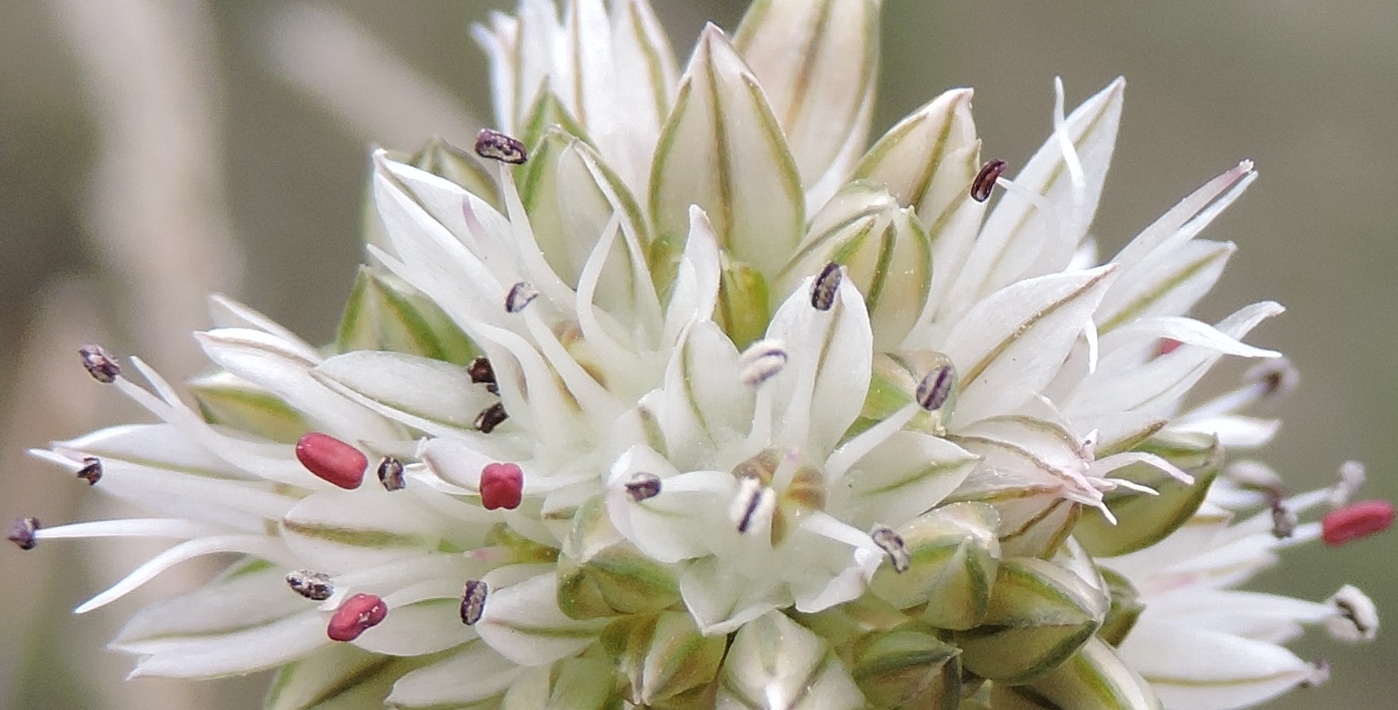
(681, 397)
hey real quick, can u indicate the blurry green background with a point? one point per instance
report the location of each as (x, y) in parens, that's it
(153, 150)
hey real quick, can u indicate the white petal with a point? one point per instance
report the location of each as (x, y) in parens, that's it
(522, 622)
(255, 649)
(475, 673)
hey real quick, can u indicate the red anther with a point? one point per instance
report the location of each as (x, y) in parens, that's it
(1167, 346)
(502, 486)
(356, 615)
(332, 460)
(1356, 520)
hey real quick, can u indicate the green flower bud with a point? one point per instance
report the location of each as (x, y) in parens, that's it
(601, 574)
(1126, 607)
(234, 402)
(383, 313)
(1039, 615)
(583, 683)
(953, 556)
(1093, 678)
(1144, 519)
(742, 309)
(665, 661)
(908, 668)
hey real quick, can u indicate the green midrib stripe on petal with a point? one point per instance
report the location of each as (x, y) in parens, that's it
(357, 537)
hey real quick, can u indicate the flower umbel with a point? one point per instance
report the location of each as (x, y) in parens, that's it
(680, 394)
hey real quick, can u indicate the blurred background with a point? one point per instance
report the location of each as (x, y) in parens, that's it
(152, 151)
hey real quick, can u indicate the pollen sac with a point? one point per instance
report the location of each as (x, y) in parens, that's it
(1356, 618)
(1356, 520)
(315, 586)
(482, 373)
(521, 294)
(921, 377)
(1283, 520)
(473, 601)
(91, 470)
(892, 544)
(332, 460)
(495, 145)
(491, 417)
(825, 286)
(502, 486)
(356, 615)
(643, 486)
(936, 388)
(985, 180)
(761, 361)
(391, 474)
(102, 366)
(22, 533)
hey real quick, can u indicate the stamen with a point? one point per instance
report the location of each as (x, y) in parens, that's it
(1283, 520)
(1357, 618)
(1278, 377)
(1167, 346)
(761, 361)
(825, 285)
(315, 586)
(1355, 520)
(502, 486)
(332, 460)
(520, 295)
(1352, 477)
(391, 474)
(643, 486)
(91, 470)
(495, 145)
(493, 416)
(22, 533)
(985, 180)
(473, 601)
(753, 500)
(934, 389)
(1320, 676)
(482, 372)
(891, 543)
(358, 614)
(102, 366)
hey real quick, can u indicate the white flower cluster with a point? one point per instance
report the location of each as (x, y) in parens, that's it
(680, 396)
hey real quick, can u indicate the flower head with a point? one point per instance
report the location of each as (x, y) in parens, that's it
(679, 395)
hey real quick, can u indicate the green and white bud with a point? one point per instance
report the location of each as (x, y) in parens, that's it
(908, 668)
(384, 313)
(884, 249)
(953, 556)
(776, 663)
(459, 166)
(665, 661)
(1039, 615)
(928, 160)
(1144, 519)
(574, 200)
(601, 574)
(817, 62)
(583, 683)
(1093, 678)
